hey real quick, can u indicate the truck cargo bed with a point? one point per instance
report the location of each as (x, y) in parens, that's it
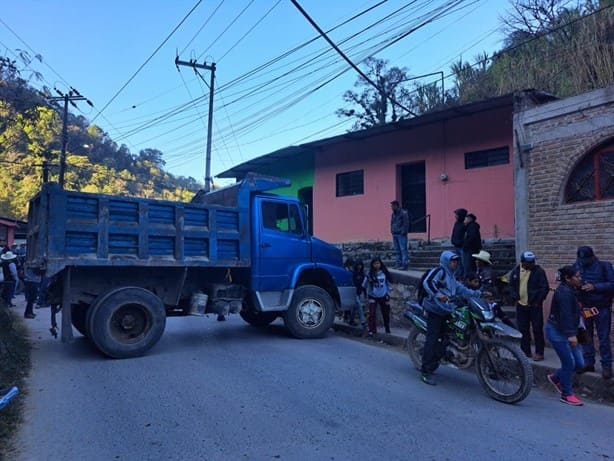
(81, 229)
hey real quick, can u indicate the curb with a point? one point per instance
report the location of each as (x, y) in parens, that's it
(588, 385)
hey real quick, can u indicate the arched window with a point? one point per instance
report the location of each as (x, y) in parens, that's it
(593, 177)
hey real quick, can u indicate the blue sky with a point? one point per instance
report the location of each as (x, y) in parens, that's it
(266, 97)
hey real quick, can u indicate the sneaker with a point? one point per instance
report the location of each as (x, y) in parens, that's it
(388, 330)
(555, 382)
(427, 378)
(538, 358)
(571, 400)
(221, 318)
(29, 316)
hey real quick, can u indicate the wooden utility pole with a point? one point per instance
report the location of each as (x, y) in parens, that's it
(194, 65)
(71, 96)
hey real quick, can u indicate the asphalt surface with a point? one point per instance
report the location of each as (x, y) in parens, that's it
(227, 391)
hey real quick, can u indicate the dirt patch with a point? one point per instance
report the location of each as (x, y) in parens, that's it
(14, 367)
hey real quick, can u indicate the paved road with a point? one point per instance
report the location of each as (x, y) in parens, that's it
(227, 391)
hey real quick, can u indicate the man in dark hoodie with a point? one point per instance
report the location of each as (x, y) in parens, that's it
(458, 238)
(595, 298)
(472, 243)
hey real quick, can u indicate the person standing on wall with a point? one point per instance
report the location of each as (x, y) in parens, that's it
(595, 295)
(472, 243)
(399, 228)
(529, 288)
(458, 238)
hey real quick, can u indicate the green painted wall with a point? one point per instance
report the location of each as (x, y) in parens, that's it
(299, 170)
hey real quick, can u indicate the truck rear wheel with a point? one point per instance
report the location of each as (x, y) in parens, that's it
(311, 314)
(126, 322)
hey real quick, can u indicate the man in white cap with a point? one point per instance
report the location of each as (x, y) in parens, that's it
(9, 270)
(529, 288)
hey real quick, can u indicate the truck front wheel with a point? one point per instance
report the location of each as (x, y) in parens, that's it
(311, 313)
(127, 322)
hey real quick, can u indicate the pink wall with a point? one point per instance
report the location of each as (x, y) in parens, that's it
(486, 192)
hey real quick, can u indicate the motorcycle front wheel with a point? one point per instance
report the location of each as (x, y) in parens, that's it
(415, 346)
(504, 371)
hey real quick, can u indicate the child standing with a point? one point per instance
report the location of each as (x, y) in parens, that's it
(358, 276)
(377, 283)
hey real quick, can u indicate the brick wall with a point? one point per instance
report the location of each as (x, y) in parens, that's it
(559, 135)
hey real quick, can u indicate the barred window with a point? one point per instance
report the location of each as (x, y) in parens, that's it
(489, 157)
(351, 183)
(593, 177)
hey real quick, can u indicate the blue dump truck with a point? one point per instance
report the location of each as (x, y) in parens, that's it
(120, 266)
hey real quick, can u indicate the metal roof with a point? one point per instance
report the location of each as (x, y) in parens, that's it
(287, 153)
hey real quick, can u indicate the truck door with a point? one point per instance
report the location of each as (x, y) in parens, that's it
(282, 243)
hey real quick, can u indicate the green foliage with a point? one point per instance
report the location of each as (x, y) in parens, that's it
(30, 134)
(550, 45)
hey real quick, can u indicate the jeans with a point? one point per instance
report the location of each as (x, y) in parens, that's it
(468, 263)
(603, 324)
(358, 308)
(571, 357)
(400, 246)
(459, 273)
(31, 292)
(385, 308)
(433, 345)
(527, 317)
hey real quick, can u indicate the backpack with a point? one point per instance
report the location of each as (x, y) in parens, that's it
(421, 291)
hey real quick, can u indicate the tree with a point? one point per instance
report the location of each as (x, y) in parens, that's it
(374, 104)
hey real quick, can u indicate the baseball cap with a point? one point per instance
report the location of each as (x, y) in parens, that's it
(455, 258)
(527, 257)
(585, 253)
(395, 202)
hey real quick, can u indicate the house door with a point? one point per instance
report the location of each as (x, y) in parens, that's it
(413, 194)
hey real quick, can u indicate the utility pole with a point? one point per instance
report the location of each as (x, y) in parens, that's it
(71, 96)
(194, 65)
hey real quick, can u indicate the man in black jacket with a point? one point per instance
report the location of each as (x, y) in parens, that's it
(472, 243)
(458, 237)
(595, 297)
(529, 288)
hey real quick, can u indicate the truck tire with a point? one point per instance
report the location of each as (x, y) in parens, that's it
(126, 322)
(258, 319)
(311, 314)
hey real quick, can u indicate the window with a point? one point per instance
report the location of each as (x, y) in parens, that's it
(351, 183)
(484, 158)
(593, 177)
(282, 217)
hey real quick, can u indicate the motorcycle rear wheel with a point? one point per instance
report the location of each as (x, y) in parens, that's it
(508, 377)
(415, 346)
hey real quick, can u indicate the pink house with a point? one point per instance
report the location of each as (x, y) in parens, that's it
(460, 157)
(433, 164)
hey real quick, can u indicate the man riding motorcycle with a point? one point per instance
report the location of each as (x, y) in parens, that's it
(440, 286)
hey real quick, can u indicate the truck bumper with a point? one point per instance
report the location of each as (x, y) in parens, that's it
(347, 295)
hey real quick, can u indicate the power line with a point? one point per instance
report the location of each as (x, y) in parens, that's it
(147, 60)
(226, 29)
(354, 66)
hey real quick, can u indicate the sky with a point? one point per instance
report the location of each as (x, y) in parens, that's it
(277, 83)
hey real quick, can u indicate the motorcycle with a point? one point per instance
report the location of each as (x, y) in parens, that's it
(475, 336)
